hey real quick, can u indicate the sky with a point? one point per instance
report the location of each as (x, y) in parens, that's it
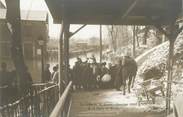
(54, 29)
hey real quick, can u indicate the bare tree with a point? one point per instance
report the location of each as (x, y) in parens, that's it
(134, 44)
(119, 36)
(112, 32)
(146, 32)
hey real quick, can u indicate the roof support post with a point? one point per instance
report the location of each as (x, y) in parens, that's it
(100, 43)
(66, 52)
(171, 35)
(170, 72)
(61, 59)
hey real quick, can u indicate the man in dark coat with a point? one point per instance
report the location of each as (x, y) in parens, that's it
(87, 76)
(77, 73)
(103, 71)
(47, 74)
(95, 74)
(27, 82)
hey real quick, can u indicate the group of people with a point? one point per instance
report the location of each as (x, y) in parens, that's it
(85, 75)
(89, 74)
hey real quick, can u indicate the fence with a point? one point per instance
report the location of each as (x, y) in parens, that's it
(40, 102)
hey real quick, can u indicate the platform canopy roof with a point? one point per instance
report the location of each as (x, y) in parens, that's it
(119, 12)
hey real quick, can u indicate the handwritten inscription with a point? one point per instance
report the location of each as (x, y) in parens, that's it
(106, 106)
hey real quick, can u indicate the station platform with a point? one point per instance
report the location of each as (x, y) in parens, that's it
(110, 103)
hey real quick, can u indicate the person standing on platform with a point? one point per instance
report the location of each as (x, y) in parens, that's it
(55, 75)
(47, 74)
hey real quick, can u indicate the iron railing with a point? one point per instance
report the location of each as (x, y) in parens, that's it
(39, 103)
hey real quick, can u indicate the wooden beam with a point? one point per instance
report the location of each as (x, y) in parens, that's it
(66, 51)
(132, 6)
(60, 54)
(170, 72)
(100, 43)
(77, 30)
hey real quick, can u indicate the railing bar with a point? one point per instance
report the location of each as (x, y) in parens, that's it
(60, 105)
(47, 89)
(70, 104)
(27, 96)
(175, 82)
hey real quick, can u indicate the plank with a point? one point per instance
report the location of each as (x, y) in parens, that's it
(109, 103)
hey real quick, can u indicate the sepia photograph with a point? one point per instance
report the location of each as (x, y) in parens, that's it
(91, 58)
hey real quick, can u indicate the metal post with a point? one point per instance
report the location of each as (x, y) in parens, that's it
(133, 48)
(61, 59)
(42, 63)
(170, 72)
(66, 52)
(100, 43)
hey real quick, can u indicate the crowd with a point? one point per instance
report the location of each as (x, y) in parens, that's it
(90, 74)
(85, 74)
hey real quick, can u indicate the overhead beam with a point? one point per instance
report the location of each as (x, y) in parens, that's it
(77, 30)
(132, 6)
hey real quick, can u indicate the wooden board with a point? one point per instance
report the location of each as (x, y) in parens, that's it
(109, 103)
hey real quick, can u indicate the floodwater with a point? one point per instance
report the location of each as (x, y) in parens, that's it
(34, 66)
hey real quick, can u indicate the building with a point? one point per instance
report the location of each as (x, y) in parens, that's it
(34, 26)
(2, 5)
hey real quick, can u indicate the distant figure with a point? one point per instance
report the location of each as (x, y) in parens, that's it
(104, 69)
(93, 58)
(79, 61)
(95, 74)
(46, 74)
(104, 73)
(55, 75)
(54, 70)
(112, 72)
(87, 76)
(77, 74)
